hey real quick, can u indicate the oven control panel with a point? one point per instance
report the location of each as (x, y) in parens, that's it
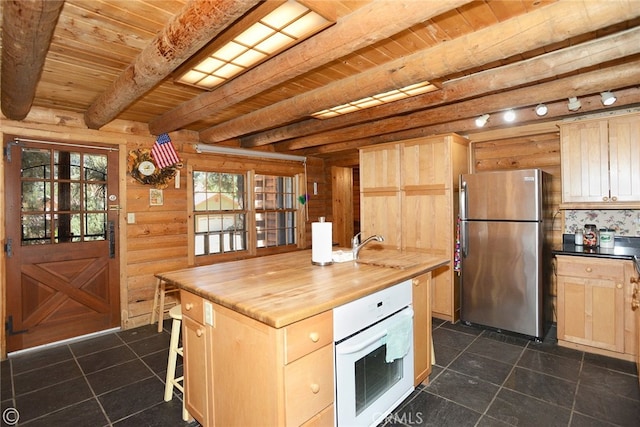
(361, 313)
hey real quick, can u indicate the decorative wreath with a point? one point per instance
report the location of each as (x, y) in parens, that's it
(143, 169)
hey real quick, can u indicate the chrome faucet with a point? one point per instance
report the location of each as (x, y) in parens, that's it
(356, 245)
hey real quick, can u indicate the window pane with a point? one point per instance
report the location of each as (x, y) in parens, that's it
(37, 200)
(95, 197)
(95, 167)
(35, 163)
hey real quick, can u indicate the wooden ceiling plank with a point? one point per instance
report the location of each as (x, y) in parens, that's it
(183, 36)
(27, 29)
(346, 36)
(546, 66)
(517, 35)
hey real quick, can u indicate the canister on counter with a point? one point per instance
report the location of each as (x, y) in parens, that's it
(590, 236)
(579, 238)
(607, 238)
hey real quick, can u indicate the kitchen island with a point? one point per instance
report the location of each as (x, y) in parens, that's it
(258, 333)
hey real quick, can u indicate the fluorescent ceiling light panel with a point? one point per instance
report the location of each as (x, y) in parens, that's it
(372, 101)
(287, 25)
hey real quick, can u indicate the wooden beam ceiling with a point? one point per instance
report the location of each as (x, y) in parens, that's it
(116, 59)
(27, 28)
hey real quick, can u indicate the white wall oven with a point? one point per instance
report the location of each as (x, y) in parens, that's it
(373, 355)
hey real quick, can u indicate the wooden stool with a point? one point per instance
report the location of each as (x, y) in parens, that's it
(159, 301)
(171, 381)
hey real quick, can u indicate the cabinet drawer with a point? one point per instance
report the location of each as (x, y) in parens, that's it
(308, 335)
(308, 385)
(192, 306)
(590, 268)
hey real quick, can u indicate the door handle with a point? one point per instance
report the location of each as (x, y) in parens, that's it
(112, 238)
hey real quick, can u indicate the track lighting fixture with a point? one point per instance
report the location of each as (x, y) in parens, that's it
(574, 104)
(482, 120)
(608, 98)
(509, 116)
(541, 110)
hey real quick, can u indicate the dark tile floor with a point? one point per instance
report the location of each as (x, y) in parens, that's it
(481, 378)
(115, 379)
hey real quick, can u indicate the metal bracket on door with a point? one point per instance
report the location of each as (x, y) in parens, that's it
(8, 248)
(8, 326)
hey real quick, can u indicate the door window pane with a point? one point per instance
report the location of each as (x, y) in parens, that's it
(68, 205)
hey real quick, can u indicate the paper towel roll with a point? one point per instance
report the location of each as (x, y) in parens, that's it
(321, 243)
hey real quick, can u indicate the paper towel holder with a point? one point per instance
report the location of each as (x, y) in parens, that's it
(321, 263)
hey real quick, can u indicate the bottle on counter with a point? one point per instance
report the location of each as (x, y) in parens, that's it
(579, 239)
(590, 239)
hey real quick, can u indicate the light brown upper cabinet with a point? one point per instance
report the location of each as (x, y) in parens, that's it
(601, 162)
(409, 194)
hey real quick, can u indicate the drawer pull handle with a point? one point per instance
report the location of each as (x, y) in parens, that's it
(314, 336)
(588, 269)
(315, 388)
(188, 306)
(619, 285)
(199, 332)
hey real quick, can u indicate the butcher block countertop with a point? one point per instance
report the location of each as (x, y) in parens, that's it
(282, 289)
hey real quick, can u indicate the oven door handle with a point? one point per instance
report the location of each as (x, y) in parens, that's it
(349, 349)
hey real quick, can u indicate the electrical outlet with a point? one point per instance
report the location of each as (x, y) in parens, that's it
(208, 313)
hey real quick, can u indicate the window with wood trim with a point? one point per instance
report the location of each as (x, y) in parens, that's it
(237, 212)
(275, 210)
(220, 214)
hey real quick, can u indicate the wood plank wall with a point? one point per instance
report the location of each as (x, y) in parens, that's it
(158, 240)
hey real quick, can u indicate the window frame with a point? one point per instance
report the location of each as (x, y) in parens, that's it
(249, 171)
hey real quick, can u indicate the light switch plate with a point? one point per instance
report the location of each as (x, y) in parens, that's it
(131, 218)
(208, 313)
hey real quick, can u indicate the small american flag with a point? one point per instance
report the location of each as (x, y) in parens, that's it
(163, 152)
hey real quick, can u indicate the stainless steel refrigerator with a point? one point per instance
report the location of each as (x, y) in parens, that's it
(504, 256)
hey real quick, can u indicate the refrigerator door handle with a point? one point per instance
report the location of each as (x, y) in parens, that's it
(463, 199)
(463, 238)
(463, 217)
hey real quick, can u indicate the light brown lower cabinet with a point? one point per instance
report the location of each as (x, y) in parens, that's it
(594, 306)
(262, 375)
(421, 327)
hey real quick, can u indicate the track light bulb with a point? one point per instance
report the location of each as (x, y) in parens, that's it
(608, 98)
(482, 120)
(509, 116)
(541, 110)
(574, 104)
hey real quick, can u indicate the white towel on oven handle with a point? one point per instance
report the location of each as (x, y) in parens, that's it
(400, 336)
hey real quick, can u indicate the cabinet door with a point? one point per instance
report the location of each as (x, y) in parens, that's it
(380, 168)
(426, 161)
(380, 214)
(195, 339)
(624, 158)
(421, 328)
(585, 162)
(590, 312)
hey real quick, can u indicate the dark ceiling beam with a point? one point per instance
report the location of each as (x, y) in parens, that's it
(182, 37)
(541, 67)
(27, 29)
(460, 117)
(374, 22)
(543, 27)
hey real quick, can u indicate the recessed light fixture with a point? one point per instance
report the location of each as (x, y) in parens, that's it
(285, 26)
(574, 104)
(608, 98)
(372, 101)
(509, 116)
(482, 120)
(541, 109)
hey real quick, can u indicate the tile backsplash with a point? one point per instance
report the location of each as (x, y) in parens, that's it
(625, 222)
